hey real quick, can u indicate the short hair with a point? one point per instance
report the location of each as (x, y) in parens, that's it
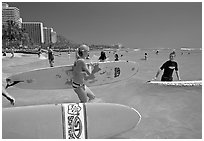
(172, 53)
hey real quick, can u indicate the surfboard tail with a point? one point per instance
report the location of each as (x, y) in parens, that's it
(68, 121)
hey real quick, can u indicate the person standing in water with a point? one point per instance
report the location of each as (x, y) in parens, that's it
(80, 70)
(168, 67)
(102, 58)
(39, 52)
(50, 56)
(145, 56)
(12, 52)
(116, 57)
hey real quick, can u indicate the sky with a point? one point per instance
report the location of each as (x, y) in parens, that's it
(132, 24)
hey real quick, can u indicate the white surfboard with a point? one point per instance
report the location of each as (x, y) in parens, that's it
(61, 77)
(68, 121)
(178, 83)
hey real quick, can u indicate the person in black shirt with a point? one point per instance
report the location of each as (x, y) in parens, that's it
(116, 57)
(168, 67)
(102, 57)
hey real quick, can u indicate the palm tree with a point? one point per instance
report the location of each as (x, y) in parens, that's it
(9, 32)
(13, 34)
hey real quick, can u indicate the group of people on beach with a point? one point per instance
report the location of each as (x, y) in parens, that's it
(81, 72)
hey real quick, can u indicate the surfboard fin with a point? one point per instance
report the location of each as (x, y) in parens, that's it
(14, 83)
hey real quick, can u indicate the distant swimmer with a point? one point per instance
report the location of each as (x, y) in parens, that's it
(116, 57)
(12, 52)
(102, 57)
(3, 53)
(157, 52)
(7, 96)
(39, 52)
(168, 67)
(145, 56)
(80, 70)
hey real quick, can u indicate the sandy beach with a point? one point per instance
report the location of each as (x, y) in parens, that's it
(167, 112)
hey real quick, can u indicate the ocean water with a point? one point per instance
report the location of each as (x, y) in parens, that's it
(168, 112)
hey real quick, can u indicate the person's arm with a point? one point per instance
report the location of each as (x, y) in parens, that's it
(157, 74)
(84, 67)
(55, 53)
(177, 74)
(7, 96)
(159, 71)
(95, 69)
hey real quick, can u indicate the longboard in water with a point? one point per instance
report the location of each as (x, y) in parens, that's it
(68, 121)
(60, 77)
(178, 83)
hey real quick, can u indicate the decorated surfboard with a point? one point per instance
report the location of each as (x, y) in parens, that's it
(177, 83)
(68, 121)
(61, 77)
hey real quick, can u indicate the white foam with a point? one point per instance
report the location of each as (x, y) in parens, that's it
(178, 83)
(42, 57)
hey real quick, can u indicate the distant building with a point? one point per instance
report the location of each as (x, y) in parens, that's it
(54, 37)
(10, 13)
(35, 31)
(50, 36)
(47, 35)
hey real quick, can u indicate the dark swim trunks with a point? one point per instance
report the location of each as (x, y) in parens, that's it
(76, 85)
(166, 78)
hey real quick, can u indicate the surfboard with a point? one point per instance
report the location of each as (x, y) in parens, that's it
(68, 121)
(178, 83)
(60, 77)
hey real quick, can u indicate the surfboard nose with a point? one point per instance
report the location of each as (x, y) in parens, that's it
(112, 119)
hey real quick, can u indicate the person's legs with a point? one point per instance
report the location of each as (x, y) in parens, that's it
(89, 93)
(51, 63)
(81, 94)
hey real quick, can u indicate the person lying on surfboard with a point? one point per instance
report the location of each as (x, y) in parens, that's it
(80, 70)
(168, 67)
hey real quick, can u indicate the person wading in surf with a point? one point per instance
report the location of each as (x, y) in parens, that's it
(102, 58)
(168, 67)
(50, 56)
(80, 72)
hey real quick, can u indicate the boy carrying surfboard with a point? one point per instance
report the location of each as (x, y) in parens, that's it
(80, 70)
